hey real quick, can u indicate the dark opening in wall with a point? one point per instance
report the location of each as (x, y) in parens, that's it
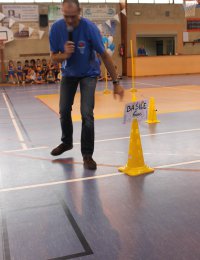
(43, 20)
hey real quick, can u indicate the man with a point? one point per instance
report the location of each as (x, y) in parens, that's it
(75, 41)
(142, 51)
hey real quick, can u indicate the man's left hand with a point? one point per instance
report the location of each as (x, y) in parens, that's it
(118, 90)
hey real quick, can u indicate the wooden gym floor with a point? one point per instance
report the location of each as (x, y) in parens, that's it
(51, 208)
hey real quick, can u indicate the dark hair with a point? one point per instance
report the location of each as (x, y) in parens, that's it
(76, 2)
(32, 61)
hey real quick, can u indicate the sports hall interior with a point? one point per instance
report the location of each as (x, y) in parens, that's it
(53, 208)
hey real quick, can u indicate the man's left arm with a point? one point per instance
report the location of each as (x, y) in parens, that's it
(117, 88)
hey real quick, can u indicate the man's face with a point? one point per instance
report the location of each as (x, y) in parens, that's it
(71, 14)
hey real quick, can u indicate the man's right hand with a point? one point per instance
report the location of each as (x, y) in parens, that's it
(69, 48)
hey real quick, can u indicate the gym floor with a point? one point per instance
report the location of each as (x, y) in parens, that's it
(51, 208)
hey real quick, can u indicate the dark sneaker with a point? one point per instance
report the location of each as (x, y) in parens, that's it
(61, 149)
(89, 163)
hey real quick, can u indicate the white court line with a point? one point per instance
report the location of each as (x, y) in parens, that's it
(146, 135)
(148, 84)
(28, 149)
(174, 154)
(34, 186)
(141, 83)
(17, 129)
(177, 164)
(115, 139)
(60, 182)
(38, 91)
(174, 132)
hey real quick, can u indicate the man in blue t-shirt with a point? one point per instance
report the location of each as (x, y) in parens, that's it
(75, 42)
(142, 51)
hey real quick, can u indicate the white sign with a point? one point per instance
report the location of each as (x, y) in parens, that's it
(136, 110)
(99, 13)
(21, 12)
(185, 37)
(54, 12)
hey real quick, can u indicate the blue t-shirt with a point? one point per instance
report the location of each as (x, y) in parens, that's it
(88, 41)
(142, 52)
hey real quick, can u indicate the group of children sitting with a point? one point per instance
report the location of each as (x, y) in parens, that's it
(38, 72)
(34, 72)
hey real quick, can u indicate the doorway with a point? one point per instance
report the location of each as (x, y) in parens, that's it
(159, 47)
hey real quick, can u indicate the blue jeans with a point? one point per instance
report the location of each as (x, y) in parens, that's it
(67, 93)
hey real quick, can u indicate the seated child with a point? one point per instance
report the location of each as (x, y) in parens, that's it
(33, 64)
(31, 76)
(11, 72)
(39, 79)
(56, 70)
(25, 69)
(19, 72)
(44, 68)
(50, 77)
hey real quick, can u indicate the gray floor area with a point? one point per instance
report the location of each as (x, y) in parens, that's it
(51, 208)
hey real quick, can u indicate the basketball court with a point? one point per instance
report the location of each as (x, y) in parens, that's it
(66, 211)
(52, 208)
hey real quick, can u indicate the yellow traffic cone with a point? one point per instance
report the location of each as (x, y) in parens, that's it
(152, 117)
(134, 99)
(135, 165)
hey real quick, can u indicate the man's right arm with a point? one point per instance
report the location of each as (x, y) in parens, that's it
(61, 56)
(58, 57)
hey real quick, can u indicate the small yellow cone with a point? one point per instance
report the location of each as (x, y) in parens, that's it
(133, 89)
(106, 91)
(152, 117)
(135, 165)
